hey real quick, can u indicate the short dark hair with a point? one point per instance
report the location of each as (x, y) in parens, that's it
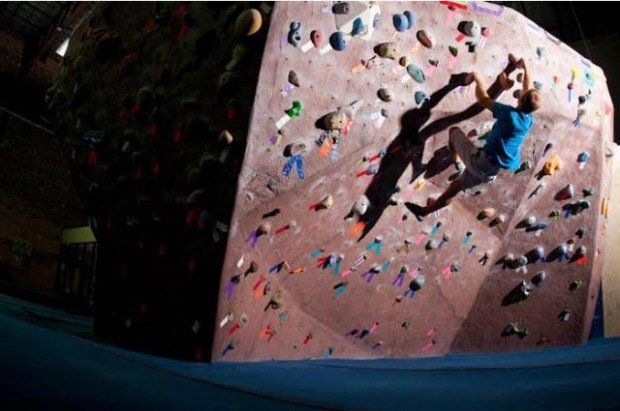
(531, 101)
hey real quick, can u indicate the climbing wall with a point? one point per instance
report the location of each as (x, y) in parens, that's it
(153, 103)
(351, 118)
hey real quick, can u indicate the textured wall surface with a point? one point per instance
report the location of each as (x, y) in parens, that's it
(142, 98)
(304, 282)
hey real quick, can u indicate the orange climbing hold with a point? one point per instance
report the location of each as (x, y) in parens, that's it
(552, 165)
(357, 229)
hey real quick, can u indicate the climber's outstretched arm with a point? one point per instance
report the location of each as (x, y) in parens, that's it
(481, 93)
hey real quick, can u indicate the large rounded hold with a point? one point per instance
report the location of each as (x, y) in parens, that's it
(249, 22)
(337, 41)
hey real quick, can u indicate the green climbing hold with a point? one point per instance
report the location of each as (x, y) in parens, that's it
(415, 73)
(294, 111)
(453, 50)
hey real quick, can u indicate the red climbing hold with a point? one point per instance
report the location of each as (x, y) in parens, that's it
(317, 38)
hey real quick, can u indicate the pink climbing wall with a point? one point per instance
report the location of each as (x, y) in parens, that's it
(281, 298)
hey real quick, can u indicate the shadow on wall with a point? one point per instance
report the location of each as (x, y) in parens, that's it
(407, 147)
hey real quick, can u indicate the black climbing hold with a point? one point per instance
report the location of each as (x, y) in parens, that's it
(340, 8)
(294, 35)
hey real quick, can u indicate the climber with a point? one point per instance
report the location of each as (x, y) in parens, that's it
(503, 142)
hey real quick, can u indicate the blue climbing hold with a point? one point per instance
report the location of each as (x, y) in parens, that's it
(583, 157)
(410, 19)
(415, 73)
(538, 85)
(420, 97)
(337, 41)
(400, 22)
(588, 78)
(358, 27)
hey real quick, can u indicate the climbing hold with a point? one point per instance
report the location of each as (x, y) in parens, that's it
(539, 253)
(431, 245)
(385, 113)
(498, 220)
(410, 19)
(580, 206)
(385, 94)
(487, 32)
(524, 166)
(581, 251)
(537, 85)
(486, 213)
(272, 185)
(335, 120)
(564, 315)
(587, 192)
(340, 8)
(583, 157)
(294, 35)
(420, 97)
(248, 22)
(565, 193)
(581, 232)
(293, 78)
(425, 38)
(338, 41)
(575, 285)
(416, 73)
(521, 261)
(417, 283)
(404, 61)
(293, 149)
(376, 20)
(542, 225)
(529, 221)
(316, 36)
(264, 228)
(325, 203)
(553, 164)
(225, 137)
(358, 27)
(453, 50)
(387, 50)
(539, 278)
(526, 289)
(361, 205)
(470, 28)
(540, 52)
(295, 110)
(401, 23)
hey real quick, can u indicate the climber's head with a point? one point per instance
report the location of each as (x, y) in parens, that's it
(529, 101)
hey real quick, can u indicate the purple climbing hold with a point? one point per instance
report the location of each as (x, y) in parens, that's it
(338, 41)
(376, 20)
